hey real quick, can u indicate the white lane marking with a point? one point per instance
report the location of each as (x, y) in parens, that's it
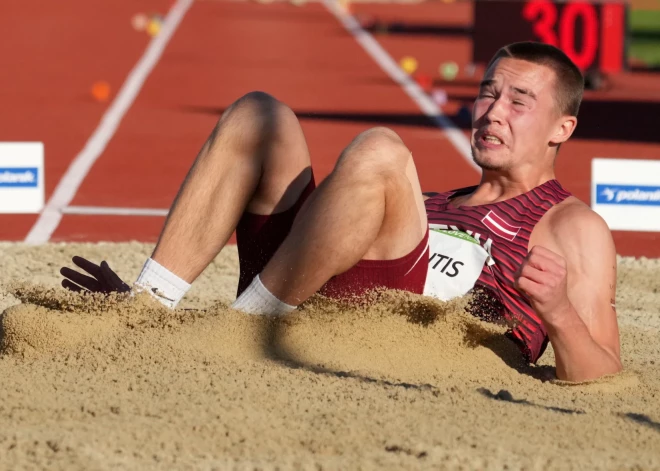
(414, 91)
(79, 168)
(111, 211)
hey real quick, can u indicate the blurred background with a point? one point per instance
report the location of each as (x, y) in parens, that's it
(119, 96)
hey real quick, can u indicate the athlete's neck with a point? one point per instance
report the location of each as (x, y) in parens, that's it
(498, 186)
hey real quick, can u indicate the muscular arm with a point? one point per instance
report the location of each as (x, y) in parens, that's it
(583, 330)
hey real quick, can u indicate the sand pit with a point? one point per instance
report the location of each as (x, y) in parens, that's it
(121, 383)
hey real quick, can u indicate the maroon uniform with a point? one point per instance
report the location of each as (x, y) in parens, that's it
(503, 229)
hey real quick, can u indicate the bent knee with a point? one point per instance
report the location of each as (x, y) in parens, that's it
(378, 148)
(255, 98)
(256, 107)
(379, 136)
(255, 118)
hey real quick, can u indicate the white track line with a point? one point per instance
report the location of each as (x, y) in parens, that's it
(414, 91)
(110, 211)
(68, 186)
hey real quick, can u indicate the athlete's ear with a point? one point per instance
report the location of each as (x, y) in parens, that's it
(564, 129)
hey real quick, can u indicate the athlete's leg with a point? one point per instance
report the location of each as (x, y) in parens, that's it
(256, 159)
(370, 207)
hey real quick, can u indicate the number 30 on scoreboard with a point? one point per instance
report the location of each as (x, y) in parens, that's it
(593, 35)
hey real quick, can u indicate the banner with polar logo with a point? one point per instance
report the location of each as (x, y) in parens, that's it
(626, 193)
(21, 177)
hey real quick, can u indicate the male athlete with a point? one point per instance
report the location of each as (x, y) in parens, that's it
(533, 253)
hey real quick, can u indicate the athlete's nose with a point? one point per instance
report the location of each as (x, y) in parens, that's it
(495, 112)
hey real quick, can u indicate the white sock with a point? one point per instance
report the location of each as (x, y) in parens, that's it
(161, 283)
(256, 299)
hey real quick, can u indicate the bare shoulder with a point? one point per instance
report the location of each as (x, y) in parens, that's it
(573, 228)
(574, 218)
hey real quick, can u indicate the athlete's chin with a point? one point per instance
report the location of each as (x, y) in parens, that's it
(488, 162)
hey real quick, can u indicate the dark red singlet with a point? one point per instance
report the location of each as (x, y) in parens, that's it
(508, 224)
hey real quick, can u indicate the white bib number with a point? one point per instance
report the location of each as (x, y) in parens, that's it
(456, 260)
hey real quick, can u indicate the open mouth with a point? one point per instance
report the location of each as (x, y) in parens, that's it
(491, 140)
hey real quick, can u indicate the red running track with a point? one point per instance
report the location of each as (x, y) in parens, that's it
(220, 51)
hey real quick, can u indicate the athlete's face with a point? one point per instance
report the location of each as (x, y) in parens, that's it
(516, 121)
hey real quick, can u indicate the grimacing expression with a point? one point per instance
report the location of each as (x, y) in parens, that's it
(515, 115)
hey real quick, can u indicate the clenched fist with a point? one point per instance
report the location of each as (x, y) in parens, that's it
(542, 277)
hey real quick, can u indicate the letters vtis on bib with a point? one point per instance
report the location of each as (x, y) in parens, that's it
(456, 260)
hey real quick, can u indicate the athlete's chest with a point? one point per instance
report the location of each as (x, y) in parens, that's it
(483, 244)
(470, 245)
(499, 230)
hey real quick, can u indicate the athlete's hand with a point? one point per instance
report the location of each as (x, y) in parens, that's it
(103, 279)
(542, 277)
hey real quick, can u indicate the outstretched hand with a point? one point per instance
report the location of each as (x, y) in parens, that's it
(102, 279)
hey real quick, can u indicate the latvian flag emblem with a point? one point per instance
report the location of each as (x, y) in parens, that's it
(499, 226)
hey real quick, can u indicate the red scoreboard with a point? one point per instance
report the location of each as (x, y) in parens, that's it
(593, 35)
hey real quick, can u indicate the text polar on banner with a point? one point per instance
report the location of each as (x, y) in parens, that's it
(626, 193)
